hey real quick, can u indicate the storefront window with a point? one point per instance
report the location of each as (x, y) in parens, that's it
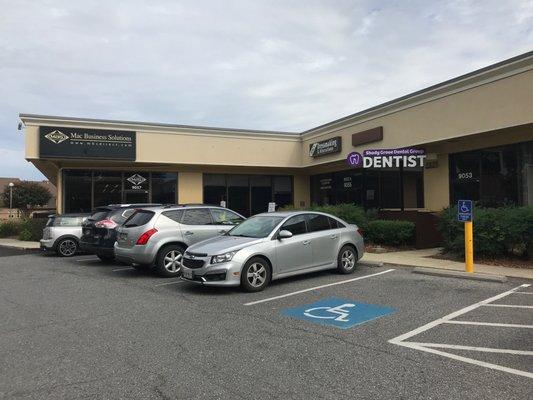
(85, 190)
(370, 188)
(107, 188)
(164, 187)
(248, 195)
(77, 191)
(492, 177)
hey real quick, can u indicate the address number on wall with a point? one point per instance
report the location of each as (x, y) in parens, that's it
(465, 175)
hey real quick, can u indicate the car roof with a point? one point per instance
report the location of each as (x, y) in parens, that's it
(72, 215)
(286, 214)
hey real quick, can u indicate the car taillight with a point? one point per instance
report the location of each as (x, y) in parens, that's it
(143, 239)
(106, 223)
(360, 231)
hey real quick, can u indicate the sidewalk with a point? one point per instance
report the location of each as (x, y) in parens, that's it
(19, 244)
(421, 258)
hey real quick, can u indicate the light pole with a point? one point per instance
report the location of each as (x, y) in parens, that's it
(11, 184)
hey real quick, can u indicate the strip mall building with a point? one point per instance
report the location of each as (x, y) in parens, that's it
(474, 132)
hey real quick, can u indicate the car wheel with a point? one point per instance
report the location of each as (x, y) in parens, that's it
(67, 247)
(346, 260)
(104, 257)
(255, 275)
(168, 263)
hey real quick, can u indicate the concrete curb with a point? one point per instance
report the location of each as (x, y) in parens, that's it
(459, 274)
(19, 247)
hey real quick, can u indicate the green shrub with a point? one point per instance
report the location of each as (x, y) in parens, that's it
(33, 227)
(497, 231)
(25, 235)
(390, 232)
(10, 228)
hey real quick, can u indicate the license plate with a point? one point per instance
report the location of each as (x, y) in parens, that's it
(188, 274)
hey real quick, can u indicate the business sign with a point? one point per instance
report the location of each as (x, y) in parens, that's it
(339, 313)
(62, 142)
(325, 147)
(464, 210)
(136, 182)
(387, 158)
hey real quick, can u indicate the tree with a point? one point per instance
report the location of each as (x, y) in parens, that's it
(26, 195)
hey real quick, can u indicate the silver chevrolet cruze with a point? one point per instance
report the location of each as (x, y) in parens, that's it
(272, 246)
(156, 237)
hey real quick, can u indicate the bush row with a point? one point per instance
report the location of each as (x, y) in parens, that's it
(394, 233)
(25, 229)
(497, 231)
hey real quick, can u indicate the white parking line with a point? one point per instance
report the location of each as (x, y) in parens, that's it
(87, 259)
(472, 348)
(432, 347)
(316, 287)
(169, 283)
(489, 324)
(523, 293)
(122, 269)
(506, 305)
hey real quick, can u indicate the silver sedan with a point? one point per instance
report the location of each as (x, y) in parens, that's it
(272, 246)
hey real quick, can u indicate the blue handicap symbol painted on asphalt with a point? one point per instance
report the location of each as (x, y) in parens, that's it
(340, 313)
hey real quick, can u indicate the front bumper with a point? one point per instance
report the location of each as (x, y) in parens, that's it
(47, 244)
(223, 274)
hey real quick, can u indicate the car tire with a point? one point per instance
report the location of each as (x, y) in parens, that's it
(347, 259)
(104, 257)
(67, 247)
(256, 275)
(168, 261)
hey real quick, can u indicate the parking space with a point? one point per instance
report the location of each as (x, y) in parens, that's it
(78, 327)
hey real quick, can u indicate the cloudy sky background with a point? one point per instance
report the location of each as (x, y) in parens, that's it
(278, 65)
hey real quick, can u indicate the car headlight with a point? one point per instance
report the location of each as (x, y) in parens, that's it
(222, 257)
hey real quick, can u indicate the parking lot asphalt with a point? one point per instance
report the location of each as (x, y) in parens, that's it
(79, 328)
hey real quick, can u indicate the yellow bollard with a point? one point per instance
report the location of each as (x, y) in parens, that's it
(469, 246)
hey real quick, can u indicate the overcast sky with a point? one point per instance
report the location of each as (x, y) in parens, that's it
(279, 65)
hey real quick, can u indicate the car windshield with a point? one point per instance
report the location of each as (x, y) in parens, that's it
(256, 227)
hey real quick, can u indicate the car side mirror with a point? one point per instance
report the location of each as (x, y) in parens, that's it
(284, 234)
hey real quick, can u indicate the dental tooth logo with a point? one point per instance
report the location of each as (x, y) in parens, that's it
(56, 136)
(312, 151)
(136, 179)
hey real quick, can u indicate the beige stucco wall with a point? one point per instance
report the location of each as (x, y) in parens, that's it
(436, 187)
(190, 187)
(301, 191)
(502, 103)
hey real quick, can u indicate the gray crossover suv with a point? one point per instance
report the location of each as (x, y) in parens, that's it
(62, 234)
(157, 237)
(271, 246)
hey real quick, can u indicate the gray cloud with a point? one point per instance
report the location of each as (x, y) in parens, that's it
(285, 65)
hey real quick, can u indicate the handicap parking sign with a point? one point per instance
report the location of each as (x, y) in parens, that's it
(464, 210)
(340, 313)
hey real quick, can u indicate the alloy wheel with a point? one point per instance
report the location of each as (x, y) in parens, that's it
(172, 261)
(348, 259)
(67, 247)
(256, 275)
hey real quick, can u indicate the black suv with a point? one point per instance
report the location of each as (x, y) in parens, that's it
(99, 230)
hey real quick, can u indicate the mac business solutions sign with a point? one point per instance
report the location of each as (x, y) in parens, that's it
(61, 142)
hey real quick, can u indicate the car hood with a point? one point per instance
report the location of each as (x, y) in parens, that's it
(223, 244)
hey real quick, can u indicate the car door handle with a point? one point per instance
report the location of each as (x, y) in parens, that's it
(222, 231)
(188, 233)
(306, 242)
(334, 236)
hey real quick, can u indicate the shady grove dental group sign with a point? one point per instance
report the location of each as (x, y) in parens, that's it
(387, 158)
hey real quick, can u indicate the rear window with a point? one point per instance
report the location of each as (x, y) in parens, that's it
(318, 222)
(141, 217)
(99, 215)
(65, 221)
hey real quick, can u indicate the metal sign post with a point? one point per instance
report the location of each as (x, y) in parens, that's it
(465, 214)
